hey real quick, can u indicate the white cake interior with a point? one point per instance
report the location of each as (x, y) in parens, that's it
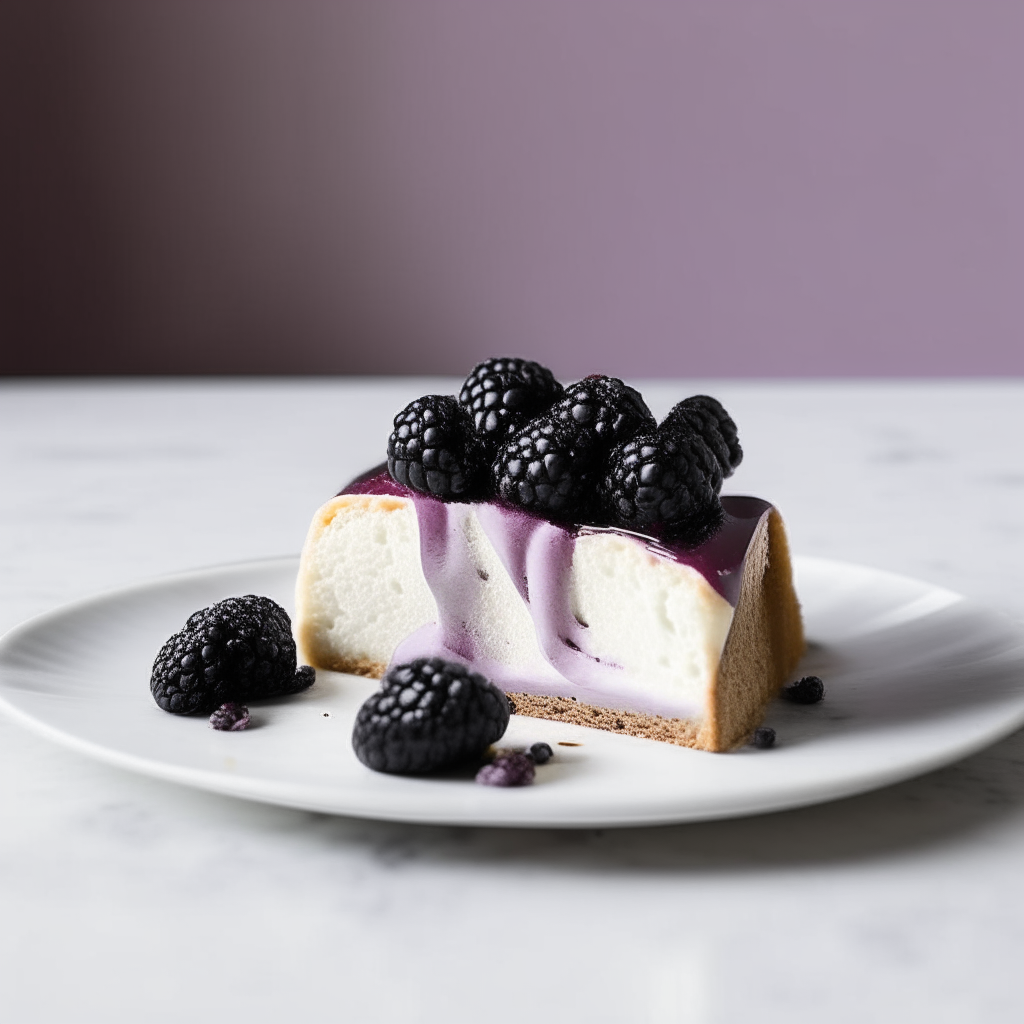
(647, 633)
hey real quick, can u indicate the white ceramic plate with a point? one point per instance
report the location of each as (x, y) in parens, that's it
(916, 677)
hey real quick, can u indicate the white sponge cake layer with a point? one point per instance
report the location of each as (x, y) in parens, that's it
(598, 627)
(599, 617)
(360, 589)
(658, 619)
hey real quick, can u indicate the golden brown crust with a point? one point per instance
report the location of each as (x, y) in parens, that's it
(355, 666)
(681, 731)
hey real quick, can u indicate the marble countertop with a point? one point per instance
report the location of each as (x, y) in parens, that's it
(127, 899)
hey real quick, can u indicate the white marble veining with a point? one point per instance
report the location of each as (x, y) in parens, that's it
(126, 899)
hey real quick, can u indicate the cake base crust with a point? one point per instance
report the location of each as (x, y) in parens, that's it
(356, 667)
(681, 731)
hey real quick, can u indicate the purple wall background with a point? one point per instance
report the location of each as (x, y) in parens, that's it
(743, 188)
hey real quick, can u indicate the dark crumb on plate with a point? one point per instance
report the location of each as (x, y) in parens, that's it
(566, 743)
(507, 770)
(230, 717)
(540, 753)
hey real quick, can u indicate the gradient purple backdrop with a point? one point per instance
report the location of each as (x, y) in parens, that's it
(741, 188)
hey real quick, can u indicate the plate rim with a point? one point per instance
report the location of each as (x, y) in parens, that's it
(291, 795)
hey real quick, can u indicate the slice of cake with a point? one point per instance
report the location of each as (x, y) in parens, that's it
(599, 626)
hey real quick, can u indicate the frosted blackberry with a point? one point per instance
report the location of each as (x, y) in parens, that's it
(808, 690)
(509, 770)
(237, 650)
(427, 715)
(660, 479)
(706, 416)
(433, 450)
(604, 408)
(547, 469)
(502, 395)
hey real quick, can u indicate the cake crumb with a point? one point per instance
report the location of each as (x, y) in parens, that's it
(566, 743)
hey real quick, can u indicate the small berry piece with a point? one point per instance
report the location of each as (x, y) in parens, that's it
(541, 753)
(502, 395)
(548, 469)
(428, 714)
(808, 690)
(660, 478)
(509, 770)
(707, 417)
(230, 717)
(433, 450)
(237, 650)
(764, 738)
(606, 409)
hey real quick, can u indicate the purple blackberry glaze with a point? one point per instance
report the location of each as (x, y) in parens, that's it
(719, 560)
(509, 770)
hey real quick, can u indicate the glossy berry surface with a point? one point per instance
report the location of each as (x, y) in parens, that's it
(658, 479)
(706, 416)
(508, 770)
(541, 753)
(501, 395)
(432, 449)
(605, 410)
(237, 650)
(808, 690)
(764, 738)
(428, 714)
(547, 469)
(230, 717)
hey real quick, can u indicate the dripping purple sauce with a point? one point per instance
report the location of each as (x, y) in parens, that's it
(719, 560)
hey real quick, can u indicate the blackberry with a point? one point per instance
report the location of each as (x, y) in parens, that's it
(508, 770)
(230, 717)
(237, 650)
(502, 395)
(808, 690)
(706, 416)
(605, 408)
(547, 469)
(433, 449)
(428, 714)
(661, 479)
(540, 752)
(764, 738)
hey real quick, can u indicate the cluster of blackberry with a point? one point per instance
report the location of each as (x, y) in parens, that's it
(590, 453)
(237, 650)
(428, 715)
(431, 715)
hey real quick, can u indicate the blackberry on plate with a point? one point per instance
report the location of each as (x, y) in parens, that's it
(764, 738)
(237, 650)
(706, 416)
(503, 394)
(606, 409)
(659, 479)
(508, 770)
(548, 469)
(427, 715)
(808, 690)
(433, 449)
